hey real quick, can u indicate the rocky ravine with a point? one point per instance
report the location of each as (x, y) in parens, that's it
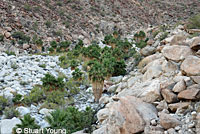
(162, 96)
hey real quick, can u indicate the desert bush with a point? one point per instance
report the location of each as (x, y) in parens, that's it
(70, 119)
(36, 95)
(26, 122)
(22, 38)
(11, 112)
(3, 103)
(77, 74)
(56, 97)
(17, 98)
(49, 82)
(120, 67)
(1, 37)
(194, 22)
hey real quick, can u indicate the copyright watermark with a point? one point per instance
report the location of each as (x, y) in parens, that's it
(40, 131)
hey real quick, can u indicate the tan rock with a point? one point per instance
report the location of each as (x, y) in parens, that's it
(176, 53)
(129, 115)
(149, 59)
(153, 130)
(148, 91)
(195, 45)
(103, 114)
(26, 46)
(9, 29)
(153, 69)
(162, 105)
(196, 79)
(167, 121)
(192, 93)
(178, 39)
(169, 96)
(180, 105)
(180, 86)
(191, 66)
(7, 34)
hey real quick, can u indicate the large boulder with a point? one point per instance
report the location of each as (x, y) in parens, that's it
(148, 91)
(129, 115)
(149, 59)
(191, 66)
(167, 121)
(195, 45)
(153, 69)
(176, 52)
(169, 96)
(192, 93)
(8, 124)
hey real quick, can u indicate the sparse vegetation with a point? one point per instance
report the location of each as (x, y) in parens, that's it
(71, 119)
(194, 22)
(11, 112)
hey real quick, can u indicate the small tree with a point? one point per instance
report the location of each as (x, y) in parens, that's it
(97, 74)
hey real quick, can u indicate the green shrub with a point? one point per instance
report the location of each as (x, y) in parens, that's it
(51, 83)
(56, 97)
(53, 44)
(74, 63)
(48, 23)
(36, 95)
(26, 122)
(64, 44)
(77, 74)
(42, 65)
(163, 36)
(10, 53)
(194, 22)
(3, 103)
(1, 37)
(11, 112)
(94, 51)
(141, 44)
(51, 49)
(120, 67)
(109, 64)
(72, 88)
(70, 119)
(39, 42)
(21, 37)
(17, 98)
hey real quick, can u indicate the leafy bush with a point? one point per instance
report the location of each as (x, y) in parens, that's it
(11, 112)
(53, 44)
(141, 44)
(10, 53)
(26, 122)
(3, 103)
(77, 74)
(21, 37)
(163, 36)
(51, 83)
(64, 44)
(70, 119)
(72, 88)
(194, 22)
(1, 37)
(56, 97)
(119, 68)
(17, 98)
(74, 63)
(35, 96)
(39, 42)
(48, 24)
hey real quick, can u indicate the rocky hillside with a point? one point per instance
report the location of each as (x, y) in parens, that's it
(162, 95)
(88, 19)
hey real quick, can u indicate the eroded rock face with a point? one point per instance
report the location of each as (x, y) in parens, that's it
(191, 66)
(128, 115)
(176, 52)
